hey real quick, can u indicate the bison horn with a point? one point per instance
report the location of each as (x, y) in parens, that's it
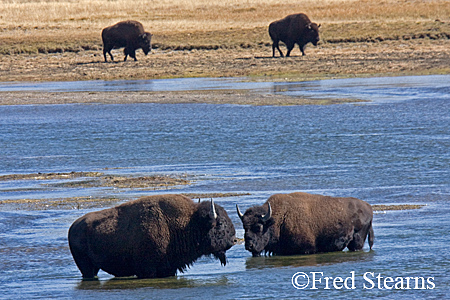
(213, 213)
(267, 216)
(239, 212)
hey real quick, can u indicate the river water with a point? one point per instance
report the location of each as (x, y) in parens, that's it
(391, 150)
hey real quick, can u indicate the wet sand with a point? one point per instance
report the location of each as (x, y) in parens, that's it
(241, 97)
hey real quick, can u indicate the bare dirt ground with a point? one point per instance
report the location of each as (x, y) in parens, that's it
(328, 60)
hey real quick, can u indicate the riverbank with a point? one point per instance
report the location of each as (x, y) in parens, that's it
(60, 41)
(422, 56)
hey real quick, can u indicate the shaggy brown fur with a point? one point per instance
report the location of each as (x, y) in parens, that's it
(302, 223)
(150, 237)
(129, 34)
(291, 30)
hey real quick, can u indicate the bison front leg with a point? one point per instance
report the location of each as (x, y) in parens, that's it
(302, 49)
(131, 52)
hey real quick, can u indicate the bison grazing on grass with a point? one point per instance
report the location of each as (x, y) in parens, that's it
(150, 237)
(128, 34)
(293, 29)
(301, 223)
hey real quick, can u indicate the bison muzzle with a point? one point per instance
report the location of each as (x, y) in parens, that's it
(150, 237)
(301, 223)
(129, 34)
(291, 30)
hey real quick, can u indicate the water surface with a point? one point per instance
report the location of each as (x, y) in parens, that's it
(394, 150)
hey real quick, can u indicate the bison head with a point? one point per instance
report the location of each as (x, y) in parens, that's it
(312, 33)
(220, 235)
(257, 222)
(145, 42)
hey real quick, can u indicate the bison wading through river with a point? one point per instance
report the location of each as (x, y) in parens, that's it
(129, 34)
(301, 223)
(291, 30)
(150, 237)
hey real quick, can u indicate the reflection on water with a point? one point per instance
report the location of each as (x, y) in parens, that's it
(156, 283)
(384, 89)
(313, 260)
(393, 152)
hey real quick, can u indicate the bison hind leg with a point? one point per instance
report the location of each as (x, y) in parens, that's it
(275, 45)
(107, 50)
(87, 268)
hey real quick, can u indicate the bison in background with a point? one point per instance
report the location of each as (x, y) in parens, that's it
(150, 237)
(128, 34)
(301, 223)
(291, 30)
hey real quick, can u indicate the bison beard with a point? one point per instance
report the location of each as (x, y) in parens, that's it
(150, 237)
(301, 223)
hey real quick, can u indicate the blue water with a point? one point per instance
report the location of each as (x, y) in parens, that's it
(393, 150)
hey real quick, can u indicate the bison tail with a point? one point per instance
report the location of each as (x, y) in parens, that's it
(371, 236)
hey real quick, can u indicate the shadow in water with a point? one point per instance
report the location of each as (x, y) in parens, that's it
(308, 260)
(153, 283)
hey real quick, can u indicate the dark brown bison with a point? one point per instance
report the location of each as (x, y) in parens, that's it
(150, 237)
(128, 34)
(291, 30)
(301, 223)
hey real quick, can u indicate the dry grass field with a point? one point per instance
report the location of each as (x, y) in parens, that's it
(60, 39)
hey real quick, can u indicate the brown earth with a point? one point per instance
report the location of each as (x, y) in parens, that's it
(328, 60)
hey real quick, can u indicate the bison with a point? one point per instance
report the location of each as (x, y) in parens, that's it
(301, 223)
(291, 30)
(128, 34)
(153, 236)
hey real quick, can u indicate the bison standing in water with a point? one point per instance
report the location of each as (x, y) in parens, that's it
(128, 34)
(291, 30)
(150, 237)
(301, 223)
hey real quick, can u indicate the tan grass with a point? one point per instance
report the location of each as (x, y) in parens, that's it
(199, 15)
(28, 26)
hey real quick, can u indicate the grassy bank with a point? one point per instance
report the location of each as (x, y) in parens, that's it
(57, 26)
